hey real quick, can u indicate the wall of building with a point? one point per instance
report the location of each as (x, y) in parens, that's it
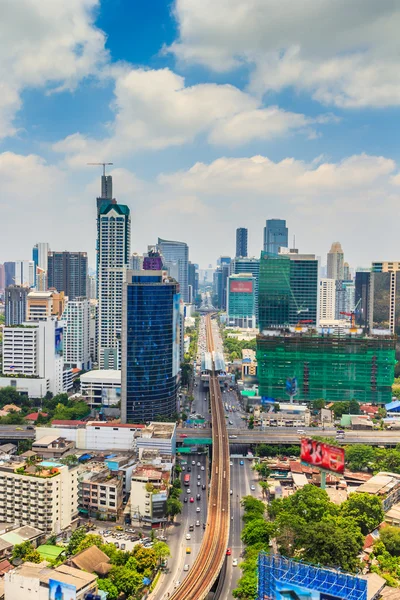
(34, 388)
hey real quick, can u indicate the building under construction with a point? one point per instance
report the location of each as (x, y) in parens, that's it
(333, 366)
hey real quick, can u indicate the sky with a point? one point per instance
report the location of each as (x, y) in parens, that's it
(215, 114)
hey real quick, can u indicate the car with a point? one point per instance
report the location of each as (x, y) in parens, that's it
(189, 469)
(202, 468)
(197, 508)
(193, 463)
(186, 568)
(203, 487)
(198, 483)
(162, 538)
(191, 527)
(198, 464)
(231, 464)
(204, 525)
(188, 550)
(232, 437)
(235, 562)
(197, 523)
(301, 431)
(252, 487)
(191, 499)
(231, 492)
(188, 491)
(183, 469)
(183, 435)
(116, 544)
(188, 536)
(123, 546)
(134, 538)
(228, 551)
(198, 497)
(185, 499)
(198, 476)
(230, 423)
(242, 463)
(177, 583)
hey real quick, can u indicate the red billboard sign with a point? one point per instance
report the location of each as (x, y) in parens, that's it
(321, 455)
(242, 286)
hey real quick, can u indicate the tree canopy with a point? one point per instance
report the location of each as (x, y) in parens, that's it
(366, 510)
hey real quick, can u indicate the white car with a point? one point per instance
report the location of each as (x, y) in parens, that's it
(186, 568)
(253, 487)
(177, 584)
(231, 464)
(188, 491)
(235, 562)
(197, 508)
(188, 536)
(193, 463)
(202, 468)
(198, 464)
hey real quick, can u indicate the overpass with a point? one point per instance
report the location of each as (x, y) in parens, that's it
(16, 433)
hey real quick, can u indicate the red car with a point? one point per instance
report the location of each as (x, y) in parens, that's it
(228, 552)
(191, 499)
(183, 435)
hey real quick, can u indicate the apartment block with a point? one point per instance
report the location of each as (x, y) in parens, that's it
(101, 494)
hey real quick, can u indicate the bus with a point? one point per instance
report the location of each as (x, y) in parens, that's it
(186, 479)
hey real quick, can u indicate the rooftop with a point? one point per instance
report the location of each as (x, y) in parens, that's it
(380, 484)
(102, 375)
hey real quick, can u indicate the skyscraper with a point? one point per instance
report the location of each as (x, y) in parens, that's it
(275, 235)
(248, 265)
(362, 297)
(288, 289)
(193, 281)
(335, 262)
(150, 346)
(15, 304)
(25, 273)
(40, 254)
(176, 259)
(345, 294)
(2, 278)
(241, 241)
(113, 251)
(241, 301)
(76, 317)
(153, 261)
(67, 272)
(327, 299)
(9, 273)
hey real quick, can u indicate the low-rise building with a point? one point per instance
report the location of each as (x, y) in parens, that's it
(158, 436)
(386, 486)
(101, 494)
(101, 387)
(52, 446)
(249, 367)
(149, 492)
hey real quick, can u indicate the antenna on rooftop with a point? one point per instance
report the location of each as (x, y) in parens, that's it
(104, 164)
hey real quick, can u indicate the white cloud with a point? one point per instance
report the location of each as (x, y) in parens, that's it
(46, 43)
(343, 53)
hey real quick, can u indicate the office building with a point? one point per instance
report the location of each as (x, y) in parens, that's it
(275, 235)
(344, 302)
(331, 367)
(15, 298)
(34, 350)
(2, 278)
(136, 262)
(241, 301)
(150, 346)
(362, 297)
(327, 299)
(25, 273)
(76, 317)
(113, 252)
(347, 272)
(67, 272)
(42, 305)
(335, 262)
(40, 254)
(241, 242)
(152, 261)
(176, 259)
(248, 265)
(384, 299)
(9, 273)
(288, 289)
(221, 278)
(101, 387)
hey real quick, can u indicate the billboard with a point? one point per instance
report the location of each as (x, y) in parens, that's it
(321, 455)
(59, 341)
(58, 590)
(283, 579)
(110, 396)
(245, 287)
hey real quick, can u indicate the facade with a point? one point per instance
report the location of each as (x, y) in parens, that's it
(145, 505)
(150, 346)
(40, 253)
(335, 262)
(345, 294)
(193, 282)
(347, 272)
(241, 242)
(362, 297)
(68, 272)
(91, 290)
(327, 299)
(160, 437)
(249, 366)
(101, 494)
(332, 367)
(222, 274)
(136, 262)
(241, 301)
(2, 278)
(113, 247)
(48, 500)
(152, 261)
(275, 235)
(25, 273)
(76, 317)
(15, 298)
(288, 289)
(101, 387)
(385, 296)
(44, 305)
(248, 265)
(176, 259)
(9, 273)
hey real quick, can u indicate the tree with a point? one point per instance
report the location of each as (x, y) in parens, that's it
(161, 550)
(106, 585)
(365, 509)
(146, 558)
(318, 404)
(354, 407)
(359, 457)
(264, 485)
(339, 408)
(33, 556)
(263, 470)
(176, 483)
(390, 538)
(247, 587)
(88, 541)
(251, 422)
(253, 505)
(310, 503)
(71, 459)
(76, 538)
(257, 531)
(20, 551)
(178, 469)
(126, 580)
(173, 508)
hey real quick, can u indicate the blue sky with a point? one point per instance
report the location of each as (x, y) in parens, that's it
(216, 115)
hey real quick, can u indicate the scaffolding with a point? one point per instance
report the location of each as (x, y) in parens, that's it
(331, 367)
(279, 574)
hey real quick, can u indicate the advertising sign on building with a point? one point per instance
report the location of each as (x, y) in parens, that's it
(58, 590)
(59, 341)
(245, 287)
(321, 455)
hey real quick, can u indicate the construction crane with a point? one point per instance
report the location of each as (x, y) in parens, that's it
(103, 164)
(352, 316)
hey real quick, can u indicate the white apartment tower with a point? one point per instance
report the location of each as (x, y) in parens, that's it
(113, 251)
(327, 299)
(76, 317)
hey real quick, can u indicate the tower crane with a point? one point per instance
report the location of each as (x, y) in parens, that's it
(103, 164)
(352, 315)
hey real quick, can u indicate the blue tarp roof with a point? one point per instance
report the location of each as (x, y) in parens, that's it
(393, 405)
(84, 457)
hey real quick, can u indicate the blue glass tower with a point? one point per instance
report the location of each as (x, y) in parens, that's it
(275, 235)
(150, 346)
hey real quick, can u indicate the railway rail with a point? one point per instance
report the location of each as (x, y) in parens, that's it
(211, 556)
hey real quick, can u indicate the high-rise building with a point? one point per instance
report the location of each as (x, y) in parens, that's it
(347, 272)
(221, 278)
(275, 235)
(150, 346)
(9, 273)
(384, 298)
(241, 301)
(241, 242)
(362, 297)
(335, 262)
(136, 262)
(193, 281)
(42, 305)
(68, 272)
(15, 304)
(345, 294)
(248, 265)
(288, 289)
(91, 288)
(113, 252)
(76, 317)
(40, 253)
(327, 299)
(2, 278)
(25, 273)
(176, 259)
(153, 261)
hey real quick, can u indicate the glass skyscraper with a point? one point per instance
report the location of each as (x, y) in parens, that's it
(248, 265)
(241, 241)
(176, 259)
(275, 235)
(150, 346)
(67, 272)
